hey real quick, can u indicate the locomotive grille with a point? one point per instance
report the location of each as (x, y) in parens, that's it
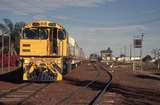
(26, 45)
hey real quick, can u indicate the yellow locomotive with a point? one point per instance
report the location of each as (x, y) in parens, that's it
(46, 51)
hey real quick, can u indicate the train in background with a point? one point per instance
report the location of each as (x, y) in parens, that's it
(47, 51)
(93, 57)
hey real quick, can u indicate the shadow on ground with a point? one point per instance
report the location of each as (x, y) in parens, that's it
(156, 73)
(13, 77)
(130, 95)
(136, 96)
(86, 83)
(142, 76)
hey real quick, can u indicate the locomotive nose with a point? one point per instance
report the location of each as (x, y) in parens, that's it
(33, 48)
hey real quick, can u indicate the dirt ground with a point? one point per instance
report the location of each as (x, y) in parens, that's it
(59, 93)
(10, 79)
(134, 87)
(128, 87)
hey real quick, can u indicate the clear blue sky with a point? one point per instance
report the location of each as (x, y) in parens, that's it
(95, 24)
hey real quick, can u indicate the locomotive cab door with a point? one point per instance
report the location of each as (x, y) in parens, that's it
(54, 41)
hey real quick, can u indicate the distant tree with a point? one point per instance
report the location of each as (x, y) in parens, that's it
(12, 30)
(109, 50)
(147, 58)
(17, 34)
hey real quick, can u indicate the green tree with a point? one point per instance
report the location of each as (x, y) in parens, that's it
(17, 34)
(147, 58)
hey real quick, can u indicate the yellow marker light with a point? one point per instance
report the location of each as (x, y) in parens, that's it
(52, 24)
(43, 23)
(26, 61)
(35, 24)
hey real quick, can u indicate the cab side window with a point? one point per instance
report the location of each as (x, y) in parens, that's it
(61, 35)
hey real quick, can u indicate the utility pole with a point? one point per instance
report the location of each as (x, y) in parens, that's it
(156, 53)
(158, 60)
(141, 51)
(125, 51)
(2, 36)
(120, 51)
(130, 51)
(9, 52)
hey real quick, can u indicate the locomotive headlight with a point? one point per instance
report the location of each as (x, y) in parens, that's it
(26, 61)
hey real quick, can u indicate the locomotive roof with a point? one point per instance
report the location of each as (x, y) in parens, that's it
(44, 23)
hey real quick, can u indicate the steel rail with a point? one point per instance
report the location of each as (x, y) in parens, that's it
(106, 87)
(33, 94)
(14, 89)
(25, 86)
(78, 90)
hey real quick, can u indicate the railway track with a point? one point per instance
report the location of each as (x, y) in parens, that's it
(66, 100)
(20, 94)
(106, 87)
(69, 100)
(24, 92)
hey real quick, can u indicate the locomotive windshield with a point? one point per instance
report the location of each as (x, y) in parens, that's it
(35, 33)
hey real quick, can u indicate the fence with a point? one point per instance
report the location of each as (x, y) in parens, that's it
(6, 62)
